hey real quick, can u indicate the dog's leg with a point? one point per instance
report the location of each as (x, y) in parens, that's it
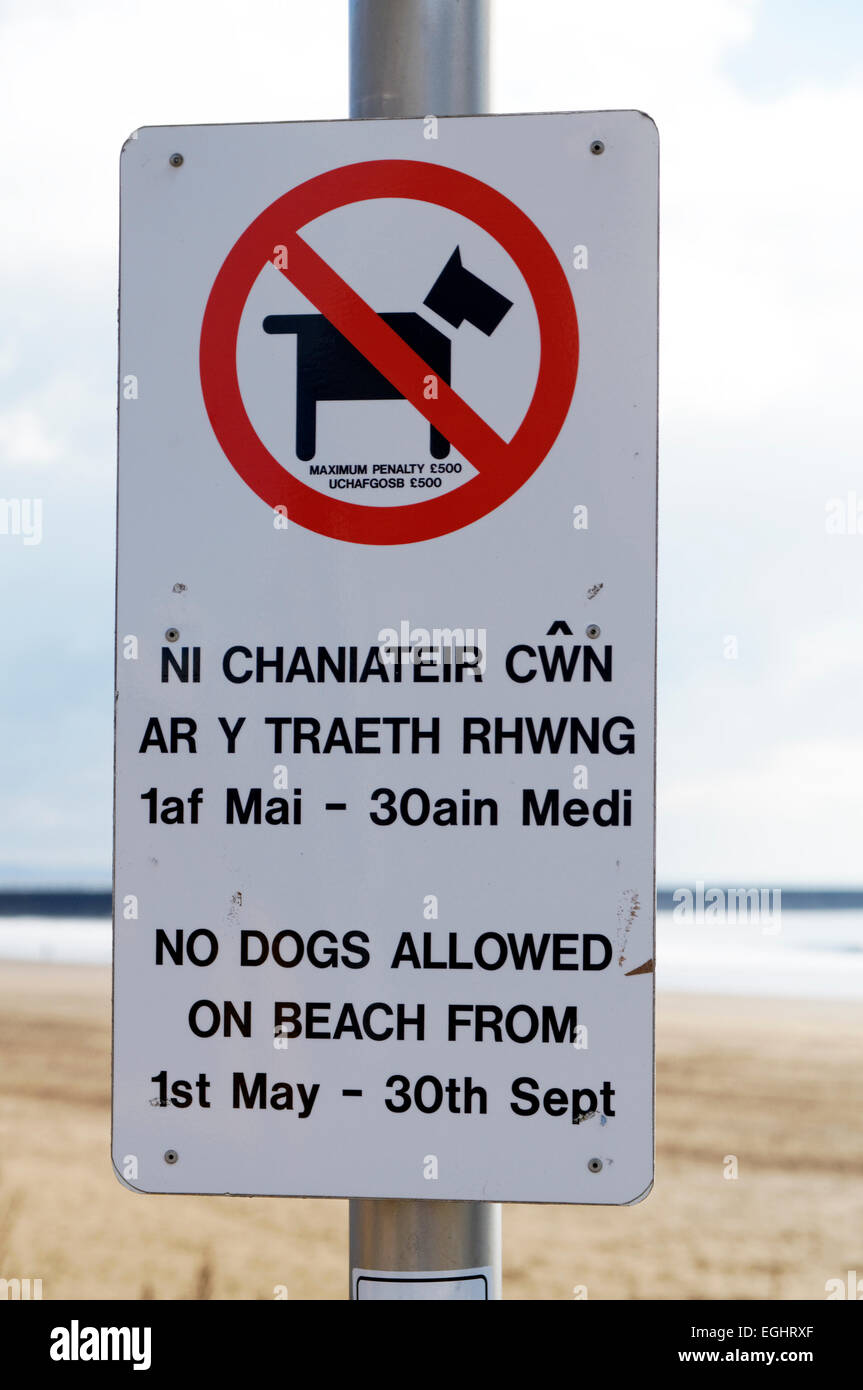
(438, 446)
(306, 416)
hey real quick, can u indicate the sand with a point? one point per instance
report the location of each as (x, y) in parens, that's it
(777, 1084)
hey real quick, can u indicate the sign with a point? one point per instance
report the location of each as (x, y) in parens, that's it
(372, 346)
(384, 868)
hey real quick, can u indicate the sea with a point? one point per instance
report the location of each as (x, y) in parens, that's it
(797, 952)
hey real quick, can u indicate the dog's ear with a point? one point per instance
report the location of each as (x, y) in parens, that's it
(458, 295)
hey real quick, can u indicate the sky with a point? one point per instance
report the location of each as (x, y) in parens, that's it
(759, 105)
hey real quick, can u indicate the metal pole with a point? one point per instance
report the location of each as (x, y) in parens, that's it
(422, 58)
(419, 57)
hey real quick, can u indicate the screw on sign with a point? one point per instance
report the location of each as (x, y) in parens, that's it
(389, 355)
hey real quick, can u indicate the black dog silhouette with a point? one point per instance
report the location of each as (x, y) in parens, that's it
(329, 368)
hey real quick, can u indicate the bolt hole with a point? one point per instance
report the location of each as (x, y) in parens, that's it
(596, 147)
(592, 631)
(171, 1156)
(172, 634)
(176, 160)
(595, 1165)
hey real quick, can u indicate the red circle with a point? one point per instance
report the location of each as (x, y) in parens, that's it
(558, 358)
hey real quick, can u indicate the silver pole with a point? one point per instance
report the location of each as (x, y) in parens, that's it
(422, 58)
(419, 57)
(398, 1237)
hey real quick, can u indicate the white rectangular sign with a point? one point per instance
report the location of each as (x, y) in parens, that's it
(384, 866)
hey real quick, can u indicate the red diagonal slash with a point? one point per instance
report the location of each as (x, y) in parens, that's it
(391, 355)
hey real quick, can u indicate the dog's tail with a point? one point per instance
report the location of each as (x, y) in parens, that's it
(287, 323)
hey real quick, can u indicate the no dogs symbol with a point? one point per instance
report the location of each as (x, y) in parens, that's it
(350, 351)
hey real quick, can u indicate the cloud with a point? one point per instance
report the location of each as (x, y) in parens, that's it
(77, 80)
(791, 813)
(24, 439)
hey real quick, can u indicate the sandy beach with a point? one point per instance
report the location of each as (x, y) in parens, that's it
(776, 1084)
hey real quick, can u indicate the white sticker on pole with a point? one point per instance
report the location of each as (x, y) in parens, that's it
(443, 1285)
